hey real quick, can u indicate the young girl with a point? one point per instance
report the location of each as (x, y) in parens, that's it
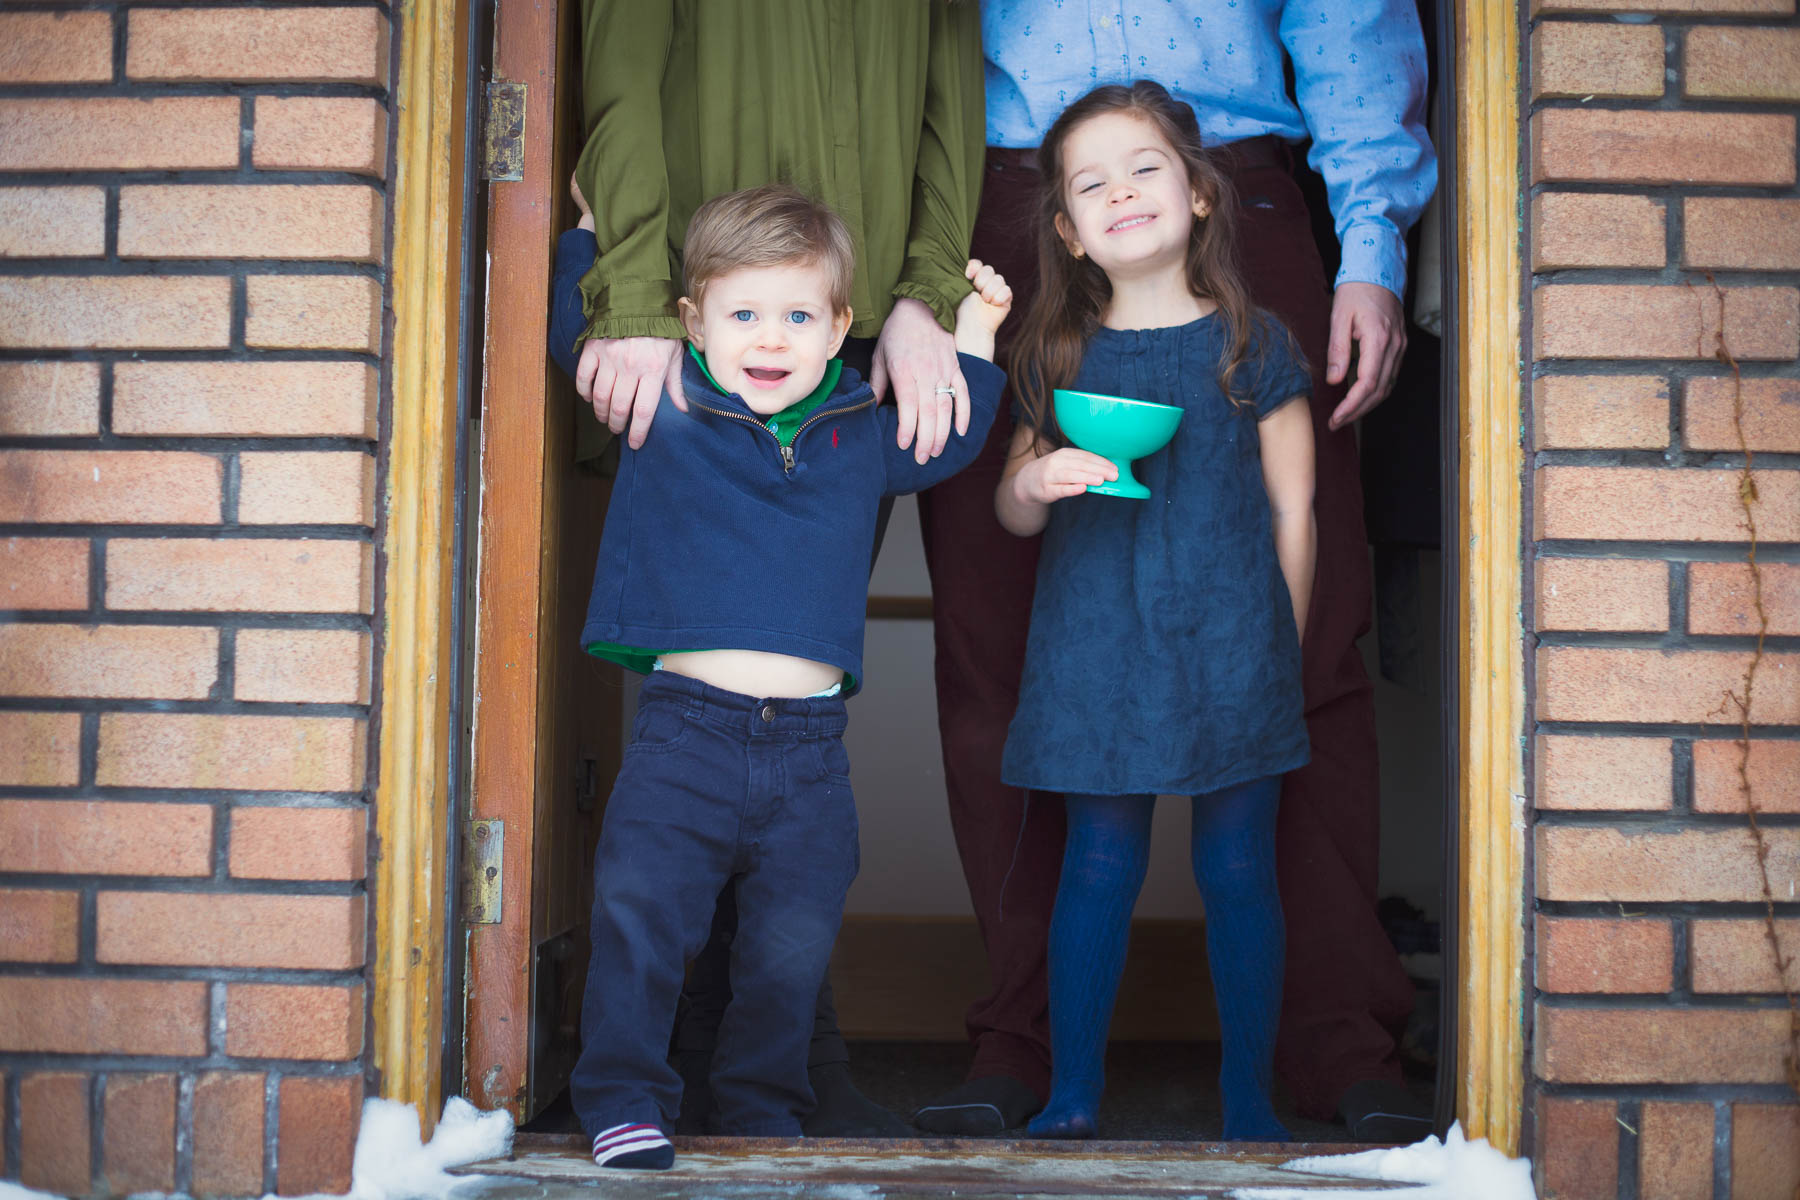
(1164, 650)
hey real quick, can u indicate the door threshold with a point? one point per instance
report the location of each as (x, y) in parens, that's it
(899, 1169)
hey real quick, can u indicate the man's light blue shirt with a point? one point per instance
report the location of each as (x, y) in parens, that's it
(1359, 78)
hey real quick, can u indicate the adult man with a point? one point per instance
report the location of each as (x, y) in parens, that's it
(1359, 88)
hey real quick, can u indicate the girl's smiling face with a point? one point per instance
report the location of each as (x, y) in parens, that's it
(767, 332)
(1126, 197)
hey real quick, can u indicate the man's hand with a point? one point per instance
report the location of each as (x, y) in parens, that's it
(581, 206)
(1369, 315)
(623, 378)
(919, 356)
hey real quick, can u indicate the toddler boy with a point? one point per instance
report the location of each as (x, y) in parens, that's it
(734, 570)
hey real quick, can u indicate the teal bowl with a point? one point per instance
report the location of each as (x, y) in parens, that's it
(1117, 428)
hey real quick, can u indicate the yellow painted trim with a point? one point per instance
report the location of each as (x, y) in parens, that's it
(411, 799)
(1490, 1037)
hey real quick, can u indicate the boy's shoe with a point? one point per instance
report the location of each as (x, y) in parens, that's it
(641, 1146)
(1379, 1110)
(980, 1107)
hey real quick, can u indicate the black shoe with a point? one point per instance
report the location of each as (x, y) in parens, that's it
(1378, 1110)
(980, 1108)
(842, 1111)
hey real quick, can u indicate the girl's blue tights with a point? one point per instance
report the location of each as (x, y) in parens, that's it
(1104, 862)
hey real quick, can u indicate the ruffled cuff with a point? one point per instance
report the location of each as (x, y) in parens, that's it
(942, 304)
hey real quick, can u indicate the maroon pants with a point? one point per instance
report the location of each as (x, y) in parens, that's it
(1345, 994)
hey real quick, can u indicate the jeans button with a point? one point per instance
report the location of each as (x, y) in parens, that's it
(768, 712)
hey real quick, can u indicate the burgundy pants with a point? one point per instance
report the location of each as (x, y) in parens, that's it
(1345, 994)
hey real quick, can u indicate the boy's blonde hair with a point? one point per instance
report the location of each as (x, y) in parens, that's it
(767, 226)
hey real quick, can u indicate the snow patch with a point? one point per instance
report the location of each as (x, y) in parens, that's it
(12, 1191)
(390, 1164)
(1453, 1169)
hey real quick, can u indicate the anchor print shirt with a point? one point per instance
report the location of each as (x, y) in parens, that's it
(1359, 91)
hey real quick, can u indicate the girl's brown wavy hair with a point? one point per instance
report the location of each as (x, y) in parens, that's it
(1072, 293)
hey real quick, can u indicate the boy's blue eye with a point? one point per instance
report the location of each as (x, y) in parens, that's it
(799, 318)
(743, 314)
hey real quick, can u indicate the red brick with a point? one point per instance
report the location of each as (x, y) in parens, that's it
(1580, 954)
(1578, 1148)
(1646, 146)
(1662, 504)
(1771, 414)
(307, 488)
(37, 926)
(1587, 412)
(1578, 683)
(1576, 230)
(139, 1150)
(1774, 770)
(303, 221)
(244, 399)
(319, 133)
(228, 1135)
(276, 1021)
(299, 843)
(43, 573)
(315, 45)
(1765, 1151)
(60, 222)
(127, 312)
(1605, 320)
(239, 575)
(1726, 62)
(1602, 594)
(200, 750)
(47, 47)
(208, 929)
(87, 1015)
(1587, 59)
(49, 399)
(105, 837)
(136, 487)
(1659, 1045)
(1762, 7)
(1603, 773)
(53, 1132)
(314, 312)
(1738, 233)
(1721, 598)
(152, 662)
(317, 1128)
(1735, 956)
(1612, 865)
(1675, 1151)
(173, 133)
(40, 749)
(303, 666)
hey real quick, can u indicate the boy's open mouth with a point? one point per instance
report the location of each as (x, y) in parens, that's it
(767, 374)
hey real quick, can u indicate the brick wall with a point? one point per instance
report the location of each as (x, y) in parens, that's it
(192, 240)
(1662, 151)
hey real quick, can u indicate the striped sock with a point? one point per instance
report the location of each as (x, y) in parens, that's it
(640, 1146)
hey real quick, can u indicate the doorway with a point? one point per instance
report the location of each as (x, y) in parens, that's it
(545, 728)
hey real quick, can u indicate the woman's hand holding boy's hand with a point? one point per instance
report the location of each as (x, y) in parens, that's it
(982, 310)
(1061, 474)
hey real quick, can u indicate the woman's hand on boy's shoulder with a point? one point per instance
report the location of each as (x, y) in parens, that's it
(979, 315)
(624, 379)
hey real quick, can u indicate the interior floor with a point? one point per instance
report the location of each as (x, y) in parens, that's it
(1155, 1091)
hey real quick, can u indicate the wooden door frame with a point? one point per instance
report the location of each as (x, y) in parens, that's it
(412, 921)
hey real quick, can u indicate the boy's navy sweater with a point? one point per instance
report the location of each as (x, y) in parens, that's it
(714, 542)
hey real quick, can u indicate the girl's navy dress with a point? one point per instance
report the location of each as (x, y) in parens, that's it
(1162, 656)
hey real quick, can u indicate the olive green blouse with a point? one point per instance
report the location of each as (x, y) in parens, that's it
(874, 106)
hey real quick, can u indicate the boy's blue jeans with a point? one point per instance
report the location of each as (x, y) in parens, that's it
(715, 786)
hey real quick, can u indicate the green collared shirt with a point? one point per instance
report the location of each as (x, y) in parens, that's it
(786, 423)
(874, 106)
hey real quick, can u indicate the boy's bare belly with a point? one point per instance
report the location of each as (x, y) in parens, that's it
(755, 672)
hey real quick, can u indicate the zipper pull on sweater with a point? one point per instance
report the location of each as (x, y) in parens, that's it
(787, 459)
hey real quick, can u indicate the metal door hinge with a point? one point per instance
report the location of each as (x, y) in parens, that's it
(484, 871)
(503, 136)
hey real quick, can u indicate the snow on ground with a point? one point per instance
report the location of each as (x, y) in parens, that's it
(390, 1164)
(12, 1191)
(1453, 1169)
